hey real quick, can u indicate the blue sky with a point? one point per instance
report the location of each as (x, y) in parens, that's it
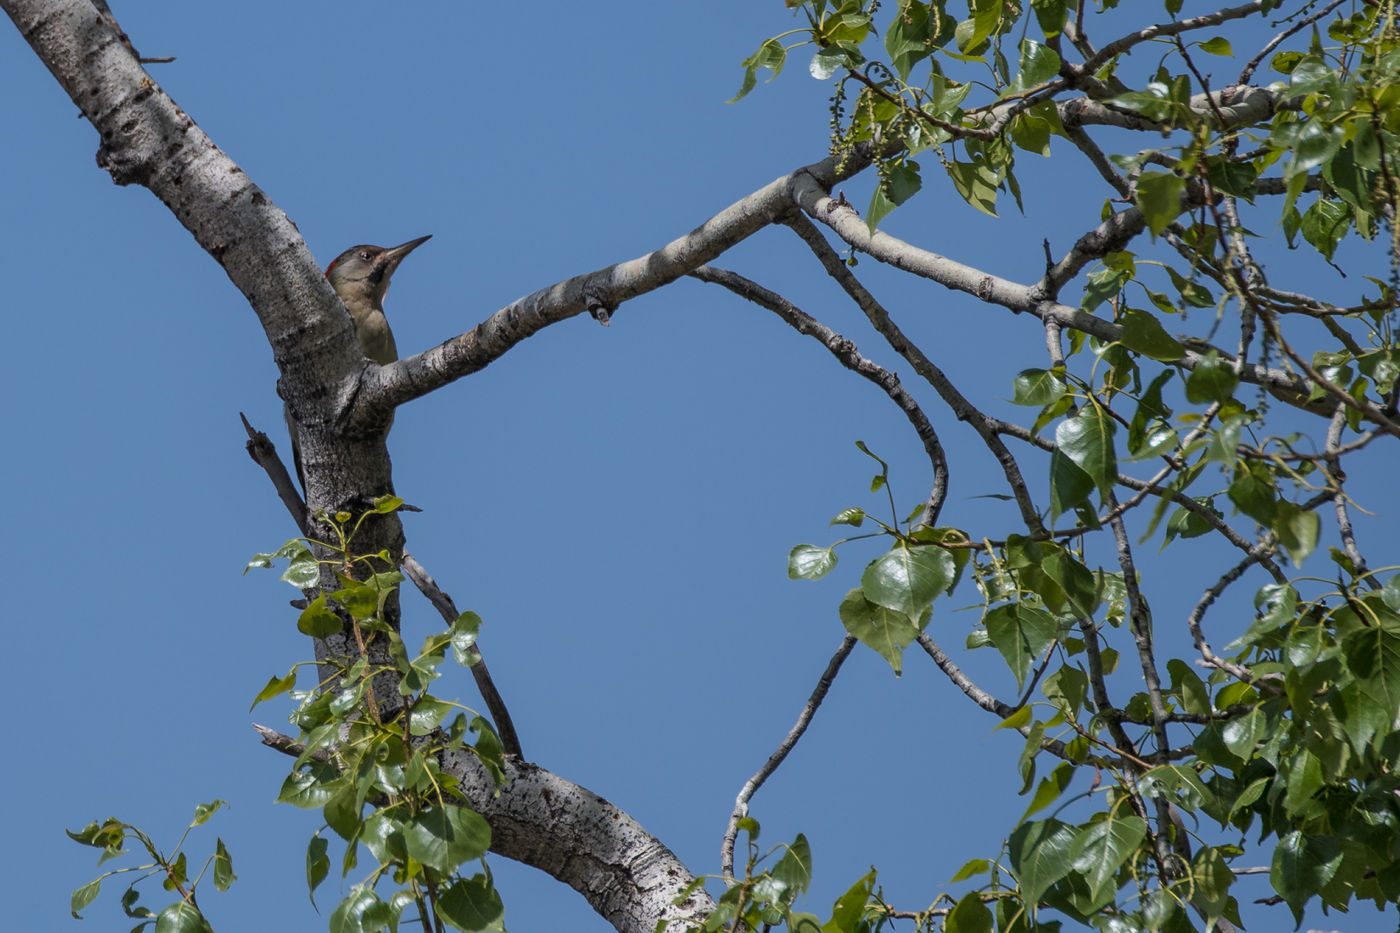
(616, 503)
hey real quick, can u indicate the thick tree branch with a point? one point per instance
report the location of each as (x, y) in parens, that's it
(1239, 105)
(540, 819)
(604, 289)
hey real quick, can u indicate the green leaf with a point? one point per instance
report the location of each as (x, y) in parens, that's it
(1050, 788)
(907, 579)
(1192, 293)
(342, 812)
(203, 811)
(1069, 485)
(1297, 530)
(827, 61)
(971, 869)
(276, 686)
(885, 630)
(1050, 14)
(302, 571)
(463, 637)
(444, 837)
(1212, 380)
(1144, 333)
(1217, 45)
(1324, 225)
(360, 912)
(849, 908)
(977, 183)
(1303, 863)
(383, 505)
(1254, 492)
(357, 598)
(1039, 63)
(223, 867)
(1243, 733)
(1373, 654)
(972, 33)
(907, 40)
(1211, 877)
(318, 865)
(1015, 720)
(81, 897)
(1225, 441)
(899, 181)
(852, 516)
(1038, 387)
(809, 562)
(1158, 196)
(317, 620)
(1187, 685)
(770, 55)
(794, 870)
(472, 904)
(181, 917)
(428, 713)
(1040, 856)
(310, 788)
(1087, 439)
(969, 915)
(1101, 848)
(1020, 631)
(1179, 785)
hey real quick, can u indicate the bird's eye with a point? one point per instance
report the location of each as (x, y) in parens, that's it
(364, 255)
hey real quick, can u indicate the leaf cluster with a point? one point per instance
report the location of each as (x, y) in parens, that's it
(375, 775)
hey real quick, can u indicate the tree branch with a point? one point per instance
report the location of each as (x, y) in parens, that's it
(845, 351)
(605, 288)
(789, 742)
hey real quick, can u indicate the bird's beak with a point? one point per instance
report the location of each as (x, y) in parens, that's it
(395, 256)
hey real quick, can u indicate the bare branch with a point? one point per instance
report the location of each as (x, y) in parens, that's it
(1247, 72)
(606, 288)
(288, 745)
(1287, 387)
(1118, 46)
(845, 351)
(1238, 105)
(1339, 499)
(264, 454)
(500, 715)
(751, 786)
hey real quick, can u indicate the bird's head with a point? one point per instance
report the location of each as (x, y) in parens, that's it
(362, 273)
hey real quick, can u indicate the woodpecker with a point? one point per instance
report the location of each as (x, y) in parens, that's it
(360, 277)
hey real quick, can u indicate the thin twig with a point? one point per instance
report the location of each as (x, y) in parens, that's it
(1248, 71)
(500, 715)
(751, 786)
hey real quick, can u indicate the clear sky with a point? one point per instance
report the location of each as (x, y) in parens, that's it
(616, 503)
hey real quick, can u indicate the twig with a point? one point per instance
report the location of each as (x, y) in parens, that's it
(751, 786)
(1339, 500)
(288, 745)
(500, 715)
(264, 454)
(1167, 29)
(1248, 71)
